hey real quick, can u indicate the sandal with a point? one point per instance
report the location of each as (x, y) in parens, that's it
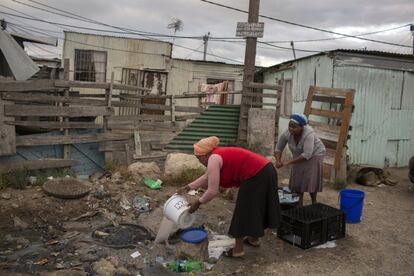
(248, 241)
(229, 253)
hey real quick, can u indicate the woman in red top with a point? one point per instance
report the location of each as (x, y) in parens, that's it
(257, 205)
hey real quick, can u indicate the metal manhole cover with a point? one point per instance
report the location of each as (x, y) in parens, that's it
(66, 187)
(124, 235)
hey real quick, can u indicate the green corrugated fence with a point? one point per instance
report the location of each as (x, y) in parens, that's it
(217, 120)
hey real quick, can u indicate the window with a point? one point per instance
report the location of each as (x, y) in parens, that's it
(90, 65)
(286, 107)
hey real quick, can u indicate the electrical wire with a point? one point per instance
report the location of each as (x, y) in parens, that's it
(307, 27)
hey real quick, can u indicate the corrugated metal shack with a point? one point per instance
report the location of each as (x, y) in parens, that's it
(383, 119)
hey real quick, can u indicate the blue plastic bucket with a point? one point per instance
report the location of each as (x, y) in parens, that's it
(351, 203)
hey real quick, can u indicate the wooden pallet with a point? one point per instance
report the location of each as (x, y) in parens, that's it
(333, 134)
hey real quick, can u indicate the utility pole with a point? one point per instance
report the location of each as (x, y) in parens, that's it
(412, 33)
(293, 49)
(205, 38)
(249, 70)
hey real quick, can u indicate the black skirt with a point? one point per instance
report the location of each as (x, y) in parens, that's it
(257, 205)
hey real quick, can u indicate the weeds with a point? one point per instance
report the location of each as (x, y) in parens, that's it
(20, 178)
(189, 175)
(122, 169)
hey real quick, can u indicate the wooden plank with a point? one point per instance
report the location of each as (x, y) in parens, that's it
(55, 125)
(153, 156)
(98, 85)
(38, 140)
(325, 127)
(347, 112)
(192, 109)
(10, 166)
(115, 145)
(128, 154)
(308, 104)
(261, 95)
(66, 148)
(137, 142)
(64, 111)
(155, 126)
(45, 98)
(327, 99)
(30, 85)
(338, 92)
(110, 91)
(172, 111)
(141, 117)
(7, 133)
(329, 157)
(262, 104)
(326, 113)
(256, 85)
(186, 117)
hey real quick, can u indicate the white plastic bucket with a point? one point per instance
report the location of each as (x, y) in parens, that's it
(176, 209)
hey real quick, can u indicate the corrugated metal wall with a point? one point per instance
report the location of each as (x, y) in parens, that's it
(315, 70)
(383, 120)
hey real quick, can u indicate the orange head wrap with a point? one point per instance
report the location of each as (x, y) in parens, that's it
(206, 145)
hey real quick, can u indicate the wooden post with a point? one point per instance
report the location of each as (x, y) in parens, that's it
(108, 98)
(249, 70)
(278, 106)
(172, 103)
(66, 68)
(128, 154)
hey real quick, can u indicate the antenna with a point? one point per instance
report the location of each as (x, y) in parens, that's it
(176, 24)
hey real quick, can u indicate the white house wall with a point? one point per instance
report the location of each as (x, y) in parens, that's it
(121, 52)
(187, 75)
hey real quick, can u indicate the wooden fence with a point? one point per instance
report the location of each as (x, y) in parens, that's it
(57, 105)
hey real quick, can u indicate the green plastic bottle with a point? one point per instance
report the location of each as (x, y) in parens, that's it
(185, 266)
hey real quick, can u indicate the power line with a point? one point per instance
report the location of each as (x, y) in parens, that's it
(125, 29)
(305, 26)
(122, 50)
(110, 48)
(50, 22)
(336, 38)
(81, 18)
(192, 52)
(78, 17)
(30, 16)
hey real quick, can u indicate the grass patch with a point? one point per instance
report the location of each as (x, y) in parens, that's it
(122, 169)
(189, 175)
(19, 179)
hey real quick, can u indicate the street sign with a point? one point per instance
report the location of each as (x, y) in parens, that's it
(246, 29)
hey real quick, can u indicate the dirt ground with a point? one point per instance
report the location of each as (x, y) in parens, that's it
(43, 235)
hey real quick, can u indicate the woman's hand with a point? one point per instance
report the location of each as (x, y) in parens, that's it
(279, 164)
(194, 206)
(183, 190)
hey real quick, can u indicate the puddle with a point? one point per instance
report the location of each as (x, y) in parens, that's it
(122, 236)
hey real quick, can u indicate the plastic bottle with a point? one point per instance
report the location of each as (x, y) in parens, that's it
(185, 266)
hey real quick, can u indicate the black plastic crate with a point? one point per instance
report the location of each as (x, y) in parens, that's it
(302, 227)
(311, 225)
(335, 221)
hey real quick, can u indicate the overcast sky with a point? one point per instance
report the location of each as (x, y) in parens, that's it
(350, 17)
